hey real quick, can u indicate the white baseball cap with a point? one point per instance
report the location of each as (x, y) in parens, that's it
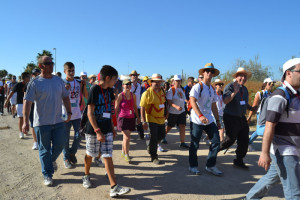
(83, 74)
(177, 77)
(268, 80)
(288, 64)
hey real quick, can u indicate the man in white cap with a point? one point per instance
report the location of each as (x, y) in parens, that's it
(281, 140)
(203, 100)
(236, 126)
(152, 112)
(137, 90)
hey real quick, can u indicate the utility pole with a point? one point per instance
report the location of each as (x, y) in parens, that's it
(55, 58)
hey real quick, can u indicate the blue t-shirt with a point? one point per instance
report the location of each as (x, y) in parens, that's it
(102, 99)
(187, 90)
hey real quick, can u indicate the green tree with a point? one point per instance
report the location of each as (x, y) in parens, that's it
(30, 67)
(3, 73)
(44, 53)
(9, 76)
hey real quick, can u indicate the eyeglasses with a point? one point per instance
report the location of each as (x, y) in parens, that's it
(134, 75)
(210, 70)
(221, 84)
(48, 63)
(295, 70)
(14, 78)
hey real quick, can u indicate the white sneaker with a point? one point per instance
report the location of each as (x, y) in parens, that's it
(118, 191)
(21, 135)
(159, 148)
(250, 148)
(35, 146)
(194, 170)
(214, 170)
(48, 181)
(98, 162)
(67, 164)
(86, 182)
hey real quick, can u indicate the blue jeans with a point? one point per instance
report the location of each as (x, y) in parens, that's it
(259, 131)
(73, 150)
(213, 134)
(46, 135)
(284, 169)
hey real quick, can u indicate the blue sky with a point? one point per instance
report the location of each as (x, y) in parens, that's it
(157, 36)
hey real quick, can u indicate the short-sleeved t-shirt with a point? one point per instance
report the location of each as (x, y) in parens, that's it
(154, 105)
(11, 85)
(47, 95)
(137, 91)
(19, 89)
(208, 96)
(220, 104)
(234, 107)
(102, 99)
(178, 98)
(187, 91)
(74, 95)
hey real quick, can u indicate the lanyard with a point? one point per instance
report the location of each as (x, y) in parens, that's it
(104, 97)
(158, 96)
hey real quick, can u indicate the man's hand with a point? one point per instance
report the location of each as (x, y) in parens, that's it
(178, 108)
(6, 104)
(69, 118)
(236, 87)
(114, 133)
(25, 128)
(204, 120)
(100, 136)
(264, 161)
(145, 126)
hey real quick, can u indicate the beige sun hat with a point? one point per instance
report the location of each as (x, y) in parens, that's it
(218, 81)
(209, 66)
(156, 77)
(133, 72)
(241, 70)
(126, 81)
(92, 76)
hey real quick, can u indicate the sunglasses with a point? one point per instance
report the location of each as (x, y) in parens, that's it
(295, 70)
(221, 84)
(48, 63)
(134, 75)
(209, 70)
(14, 78)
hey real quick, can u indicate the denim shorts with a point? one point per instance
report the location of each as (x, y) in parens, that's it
(94, 147)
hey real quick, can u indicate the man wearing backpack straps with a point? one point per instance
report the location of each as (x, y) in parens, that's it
(204, 107)
(281, 140)
(236, 126)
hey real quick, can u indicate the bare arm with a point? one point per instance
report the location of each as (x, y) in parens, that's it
(92, 119)
(170, 102)
(254, 105)
(195, 107)
(264, 159)
(143, 118)
(8, 98)
(84, 90)
(26, 111)
(117, 105)
(67, 104)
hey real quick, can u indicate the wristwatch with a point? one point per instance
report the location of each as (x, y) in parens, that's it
(70, 113)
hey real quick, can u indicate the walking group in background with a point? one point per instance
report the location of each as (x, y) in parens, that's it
(95, 105)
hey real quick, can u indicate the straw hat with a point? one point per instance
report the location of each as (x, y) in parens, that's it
(126, 81)
(92, 76)
(209, 66)
(217, 81)
(145, 78)
(156, 77)
(133, 72)
(241, 70)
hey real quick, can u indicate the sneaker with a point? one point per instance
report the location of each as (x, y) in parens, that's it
(86, 182)
(164, 141)
(98, 162)
(156, 161)
(147, 137)
(240, 164)
(35, 146)
(251, 149)
(48, 181)
(127, 158)
(184, 145)
(194, 170)
(207, 142)
(54, 166)
(1, 113)
(118, 191)
(214, 170)
(122, 155)
(159, 148)
(21, 135)
(73, 158)
(67, 164)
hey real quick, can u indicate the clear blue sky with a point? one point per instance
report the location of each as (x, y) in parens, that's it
(157, 36)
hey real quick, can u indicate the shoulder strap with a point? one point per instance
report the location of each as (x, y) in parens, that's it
(288, 98)
(135, 88)
(173, 90)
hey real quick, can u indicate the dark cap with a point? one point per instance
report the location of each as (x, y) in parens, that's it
(36, 71)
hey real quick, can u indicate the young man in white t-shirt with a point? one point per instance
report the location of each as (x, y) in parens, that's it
(203, 100)
(177, 114)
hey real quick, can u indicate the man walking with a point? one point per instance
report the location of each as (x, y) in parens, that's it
(47, 92)
(281, 138)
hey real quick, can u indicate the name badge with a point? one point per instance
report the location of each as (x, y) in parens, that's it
(106, 115)
(161, 105)
(73, 104)
(242, 102)
(130, 112)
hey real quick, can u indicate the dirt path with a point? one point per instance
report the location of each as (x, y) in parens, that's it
(21, 176)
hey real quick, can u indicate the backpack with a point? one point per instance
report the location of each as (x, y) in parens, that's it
(189, 102)
(261, 122)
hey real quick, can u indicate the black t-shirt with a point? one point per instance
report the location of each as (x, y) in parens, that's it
(19, 88)
(103, 104)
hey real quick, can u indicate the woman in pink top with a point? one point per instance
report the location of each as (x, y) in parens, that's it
(126, 111)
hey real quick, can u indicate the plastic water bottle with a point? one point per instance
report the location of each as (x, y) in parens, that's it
(64, 115)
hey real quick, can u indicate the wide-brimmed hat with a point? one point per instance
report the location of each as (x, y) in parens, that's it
(209, 66)
(156, 77)
(241, 70)
(218, 81)
(133, 72)
(177, 77)
(126, 81)
(145, 78)
(92, 76)
(288, 64)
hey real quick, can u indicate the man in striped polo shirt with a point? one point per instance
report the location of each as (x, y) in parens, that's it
(281, 141)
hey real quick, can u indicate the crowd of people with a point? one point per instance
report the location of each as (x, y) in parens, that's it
(95, 105)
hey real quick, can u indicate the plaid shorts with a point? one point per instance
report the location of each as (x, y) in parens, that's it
(94, 147)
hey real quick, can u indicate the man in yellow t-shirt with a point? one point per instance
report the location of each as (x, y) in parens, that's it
(152, 111)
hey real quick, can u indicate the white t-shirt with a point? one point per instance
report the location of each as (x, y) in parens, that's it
(74, 95)
(177, 99)
(137, 91)
(208, 96)
(220, 104)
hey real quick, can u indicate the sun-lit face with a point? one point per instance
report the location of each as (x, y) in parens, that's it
(70, 72)
(127, 87)
(112, 81)
(294, 76)
(47, 65)
(155, 85)
(241, 78)
(134, 77)
(177, 83)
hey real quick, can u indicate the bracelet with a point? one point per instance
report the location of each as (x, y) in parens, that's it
(96, 130)
(200, 116)
(70, 113)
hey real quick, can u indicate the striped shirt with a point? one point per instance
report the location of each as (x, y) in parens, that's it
(287, 130)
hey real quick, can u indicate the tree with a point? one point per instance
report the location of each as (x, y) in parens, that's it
(44, 53)
(9, 76)
(30, 67)
(3, 73)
